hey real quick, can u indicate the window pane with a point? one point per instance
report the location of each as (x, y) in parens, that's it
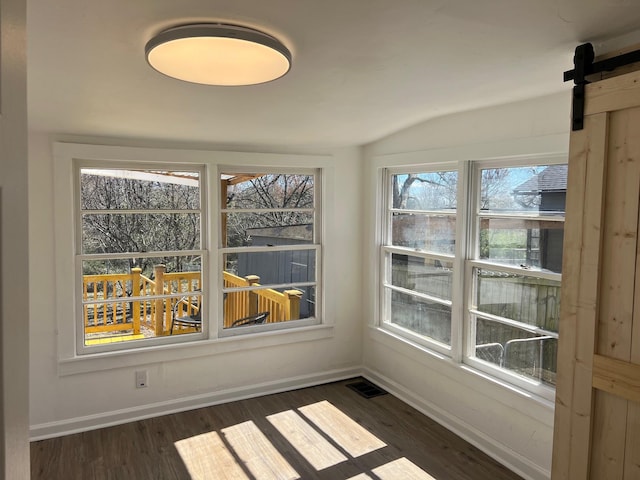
(116, 307)
(271, 268)
(252, 191)
(265, 305)
(421, 316)
(268, 210)
(529, 300)
(425, 191)
(530, 243)
(517, 350)
(269, 228)
(132, 233)
(431, 277)
(110, 189)
(524, 189)
(432, 233)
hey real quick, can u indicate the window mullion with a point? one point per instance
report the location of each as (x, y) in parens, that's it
(458, 294)
(472, 193)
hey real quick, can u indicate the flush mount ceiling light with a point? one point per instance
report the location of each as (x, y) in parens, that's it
(218, 54)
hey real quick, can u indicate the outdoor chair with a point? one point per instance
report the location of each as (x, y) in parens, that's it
(256, 319)
(194, 320)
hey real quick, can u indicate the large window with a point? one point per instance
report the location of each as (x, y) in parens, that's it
(269, 249)
(140, 254)
(481, 283)
(515, 263)
(419, 254)
(134, 232)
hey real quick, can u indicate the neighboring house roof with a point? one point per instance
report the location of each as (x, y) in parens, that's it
(551, 179)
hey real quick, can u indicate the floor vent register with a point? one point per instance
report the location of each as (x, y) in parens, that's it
(366, 389)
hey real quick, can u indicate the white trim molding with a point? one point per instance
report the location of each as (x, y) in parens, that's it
(140, 412)
(496, 450)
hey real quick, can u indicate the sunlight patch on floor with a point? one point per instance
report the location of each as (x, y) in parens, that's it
(207, 453)
(401, 468)
(306, 440)
(319, 432)
(344, 431)
(257, 453)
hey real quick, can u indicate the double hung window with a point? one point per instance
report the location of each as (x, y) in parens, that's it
(515, 266)
(134, 229)
(270, 250)
(419, 254)
(472, 260)
(139, 252)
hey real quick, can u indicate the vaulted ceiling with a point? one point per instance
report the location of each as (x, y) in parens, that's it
(362, 69)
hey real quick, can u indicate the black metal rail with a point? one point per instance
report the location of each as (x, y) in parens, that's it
(585, 66)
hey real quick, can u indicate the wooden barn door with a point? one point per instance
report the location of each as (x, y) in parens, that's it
(597, 418)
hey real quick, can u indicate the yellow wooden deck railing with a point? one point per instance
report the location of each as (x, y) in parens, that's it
(281, 306)
(116, 302)
(160, 310)
(111, 316)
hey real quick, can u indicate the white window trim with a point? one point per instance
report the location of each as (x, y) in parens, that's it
(387, 248)
(64, 153)
(316, 246)
(462, 343)
(544, 391)
(79, 164)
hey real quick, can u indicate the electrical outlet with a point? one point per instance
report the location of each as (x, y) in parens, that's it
(141, 379)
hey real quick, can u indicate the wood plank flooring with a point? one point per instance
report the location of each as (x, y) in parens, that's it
(325, 432)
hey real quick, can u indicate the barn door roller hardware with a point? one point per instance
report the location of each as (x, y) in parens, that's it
(584, 65)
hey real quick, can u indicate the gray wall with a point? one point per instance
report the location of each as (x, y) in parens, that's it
(14, 283)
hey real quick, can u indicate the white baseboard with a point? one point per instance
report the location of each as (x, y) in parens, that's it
(498, 451)
(116, 417)
(501, 453)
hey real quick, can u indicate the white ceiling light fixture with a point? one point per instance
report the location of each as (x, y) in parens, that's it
(218, 54)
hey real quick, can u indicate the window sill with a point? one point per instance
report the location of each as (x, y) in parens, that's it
(163, 353)
(512, 396)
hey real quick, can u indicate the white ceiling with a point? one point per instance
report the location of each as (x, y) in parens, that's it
(362, 69)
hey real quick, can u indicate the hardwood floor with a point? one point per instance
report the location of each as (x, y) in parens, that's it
(326, 432)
